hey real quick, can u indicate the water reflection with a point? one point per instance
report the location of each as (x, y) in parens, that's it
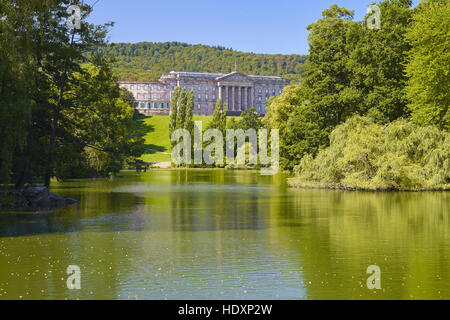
(214, 234)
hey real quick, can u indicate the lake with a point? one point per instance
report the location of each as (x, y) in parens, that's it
(217, 234)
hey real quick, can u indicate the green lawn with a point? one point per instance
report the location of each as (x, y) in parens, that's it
(157, 140)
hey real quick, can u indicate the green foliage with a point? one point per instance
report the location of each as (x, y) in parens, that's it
(15, 72)
(429, 64)
(219, 120)
(174, 111)
(352, 70)
(370, 156)
(181, 110)
(147, 61)
(59, 116)
(249, 119)
(105, 132)
(189, 119)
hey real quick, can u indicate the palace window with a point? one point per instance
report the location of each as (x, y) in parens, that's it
(155, 105)
(273, 91)
(142, 105)
(159, 96)
(199, 97)
(199, 88)
(145, 96)
(132, 87)
(138, 95)
(139, 87)
(281, 91)
(267, 91)
(206, 106)
(259, 99)
(145, 87)
(214, 89)
(207, 89)
(214, 97)
(159, 87)
(173, 88)
(199, 106)
(207, 97)
(259, 91)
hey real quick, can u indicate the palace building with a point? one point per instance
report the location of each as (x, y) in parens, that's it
(237, 90)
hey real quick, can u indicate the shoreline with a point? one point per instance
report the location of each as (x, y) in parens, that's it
(294, 183)
(33, 199)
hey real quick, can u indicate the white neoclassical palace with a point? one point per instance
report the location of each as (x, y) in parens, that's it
(237, 90)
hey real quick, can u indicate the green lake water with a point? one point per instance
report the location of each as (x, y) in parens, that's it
(216, 234)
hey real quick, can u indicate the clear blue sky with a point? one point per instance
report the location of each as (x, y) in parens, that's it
(260, 26)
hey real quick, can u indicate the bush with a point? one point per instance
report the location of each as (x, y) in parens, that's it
(365, 155)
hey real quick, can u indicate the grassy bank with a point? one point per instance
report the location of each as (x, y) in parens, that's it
(157, 140)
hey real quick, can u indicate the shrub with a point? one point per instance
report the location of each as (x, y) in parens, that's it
(369, 156)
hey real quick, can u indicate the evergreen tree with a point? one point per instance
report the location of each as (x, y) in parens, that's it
(219, 117)
(174, 111)
(189, 119)
(182, 105)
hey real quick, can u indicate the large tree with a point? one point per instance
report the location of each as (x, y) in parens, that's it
(42, 75)
(429, 64)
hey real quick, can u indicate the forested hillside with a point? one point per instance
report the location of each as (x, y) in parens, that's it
(146, 61)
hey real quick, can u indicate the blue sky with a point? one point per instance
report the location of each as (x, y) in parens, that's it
(260, 26)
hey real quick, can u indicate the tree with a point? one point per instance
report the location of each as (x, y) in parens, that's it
(189, 119)
(127, 96)
(219, 119)
(250, 119)
(428, 65)
(45, 102)
(182, 106)
(100, 126)
(16, 68)
(174, 111)
(377, 63)
(351, 70)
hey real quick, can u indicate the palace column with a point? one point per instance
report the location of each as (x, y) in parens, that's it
(245, 98)
(239, 106)
(228, 89)
(224, 94)
(220, 94)
(252, 97)
(233, 98)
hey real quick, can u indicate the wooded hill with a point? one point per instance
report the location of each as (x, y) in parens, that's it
(146, 61)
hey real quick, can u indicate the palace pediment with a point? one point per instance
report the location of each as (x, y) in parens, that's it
(235, 76)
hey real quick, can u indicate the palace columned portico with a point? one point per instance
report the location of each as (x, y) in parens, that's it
(237, 91)
(237, 95)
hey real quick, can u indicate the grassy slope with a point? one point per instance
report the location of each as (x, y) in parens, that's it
(156, 131)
